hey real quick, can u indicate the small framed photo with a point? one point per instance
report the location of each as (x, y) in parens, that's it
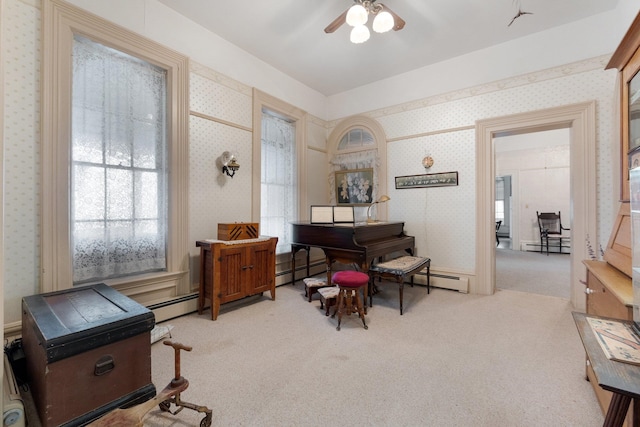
(354, 187)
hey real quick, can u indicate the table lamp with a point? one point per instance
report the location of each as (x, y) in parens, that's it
(382, 199)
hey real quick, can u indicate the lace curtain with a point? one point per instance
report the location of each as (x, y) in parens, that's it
(118, 167)
(278, 206)
(351, 161)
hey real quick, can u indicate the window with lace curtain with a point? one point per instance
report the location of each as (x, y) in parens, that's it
(279, 201)
(115, 113)
(118, 163)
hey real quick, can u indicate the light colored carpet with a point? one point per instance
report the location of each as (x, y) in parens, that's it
(452, 359)
(534, 272)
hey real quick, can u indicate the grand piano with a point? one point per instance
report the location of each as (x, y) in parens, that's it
(358, 243)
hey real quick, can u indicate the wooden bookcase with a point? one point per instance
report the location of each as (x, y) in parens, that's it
(609, 284)
(231, 270)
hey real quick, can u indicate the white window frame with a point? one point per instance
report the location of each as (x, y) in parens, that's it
(60, 22)
(380, 147)
(262, 100)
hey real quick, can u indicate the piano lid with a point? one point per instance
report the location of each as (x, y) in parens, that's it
(344, 235)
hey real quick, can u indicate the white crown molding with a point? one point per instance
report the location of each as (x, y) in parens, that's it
(596, 63)
(208, 73)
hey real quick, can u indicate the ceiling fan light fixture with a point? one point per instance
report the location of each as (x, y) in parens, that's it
(357, 15)
(383, 22)
(360, 34)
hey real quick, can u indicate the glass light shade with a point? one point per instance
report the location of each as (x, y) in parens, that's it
(383, 22)
(357, 15)
(360, 34)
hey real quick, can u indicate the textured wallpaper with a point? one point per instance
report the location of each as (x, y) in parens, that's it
(21, 56)
(442, 219)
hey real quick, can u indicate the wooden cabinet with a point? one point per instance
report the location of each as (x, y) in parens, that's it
(230, 270)
(609, 294)
(609, 284)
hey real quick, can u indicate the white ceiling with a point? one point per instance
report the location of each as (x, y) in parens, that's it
(289, 34)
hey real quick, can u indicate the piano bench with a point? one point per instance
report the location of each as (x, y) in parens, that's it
(311, 286)
(328, 297)
(399, 269)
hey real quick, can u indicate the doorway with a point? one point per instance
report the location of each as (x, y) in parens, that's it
(538, 163)
(580, 119)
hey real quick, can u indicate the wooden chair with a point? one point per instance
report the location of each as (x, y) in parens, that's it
(551, 228)
(498, 224)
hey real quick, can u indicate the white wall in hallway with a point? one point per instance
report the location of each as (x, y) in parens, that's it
(539, 164)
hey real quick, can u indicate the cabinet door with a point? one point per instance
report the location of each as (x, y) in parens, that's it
(231, 273)
(602, 302)
(262, 268)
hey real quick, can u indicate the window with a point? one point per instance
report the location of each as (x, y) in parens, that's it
(278, 189)
(113, 124)
(356, 139)
(357, 143)
(500, 198)
(278, 167)
(118, 158)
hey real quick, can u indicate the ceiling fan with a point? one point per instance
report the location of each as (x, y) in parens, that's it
(357, 15)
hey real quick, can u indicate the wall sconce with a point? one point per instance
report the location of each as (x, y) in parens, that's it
(382, 199)
(229, 163)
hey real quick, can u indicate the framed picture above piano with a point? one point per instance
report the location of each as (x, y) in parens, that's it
(354, 187)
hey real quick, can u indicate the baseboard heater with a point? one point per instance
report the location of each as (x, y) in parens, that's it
(445, 281)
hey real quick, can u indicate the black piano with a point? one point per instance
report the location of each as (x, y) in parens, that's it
(358, 243)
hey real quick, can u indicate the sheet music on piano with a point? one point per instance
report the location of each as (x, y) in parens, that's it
(321, 214)
(342, 214)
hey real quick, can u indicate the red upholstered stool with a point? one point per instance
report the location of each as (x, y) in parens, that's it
(350, 282)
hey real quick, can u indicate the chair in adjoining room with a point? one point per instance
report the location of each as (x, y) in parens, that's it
(498, 224)
(551, 228)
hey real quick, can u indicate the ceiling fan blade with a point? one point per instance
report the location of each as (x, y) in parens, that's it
(398, 23)
(337, 22)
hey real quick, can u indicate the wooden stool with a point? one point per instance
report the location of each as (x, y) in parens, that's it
(312, 284)
(349, 284)
(399, 269)
(328, 297)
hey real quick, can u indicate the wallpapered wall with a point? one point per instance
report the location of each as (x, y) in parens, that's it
(216, 198)
(442, 219)
(21, 54)
(227, 125)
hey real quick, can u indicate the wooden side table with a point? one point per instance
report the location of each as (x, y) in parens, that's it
(622, 379)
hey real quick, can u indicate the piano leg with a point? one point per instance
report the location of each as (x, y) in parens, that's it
(294, 251)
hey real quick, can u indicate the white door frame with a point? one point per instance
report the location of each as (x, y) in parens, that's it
(581, 119)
